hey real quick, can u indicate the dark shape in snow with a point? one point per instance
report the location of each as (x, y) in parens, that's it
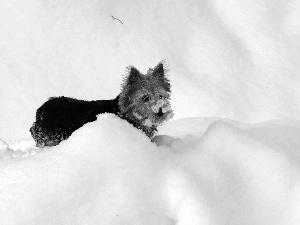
(143, 102)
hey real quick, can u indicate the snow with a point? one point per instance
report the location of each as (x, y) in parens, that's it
(231, 59)
(108, 172)
(231, 154)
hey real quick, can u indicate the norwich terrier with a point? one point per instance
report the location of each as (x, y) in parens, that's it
(143, 102)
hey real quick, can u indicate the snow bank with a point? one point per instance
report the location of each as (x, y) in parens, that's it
(233, 59)
(101, 175)
(216, 172)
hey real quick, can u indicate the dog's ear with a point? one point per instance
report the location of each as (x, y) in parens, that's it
(134, 75)
(159, 71)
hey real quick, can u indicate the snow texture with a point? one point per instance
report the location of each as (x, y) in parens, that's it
(233, 59)
(108, 172)
(231, 155)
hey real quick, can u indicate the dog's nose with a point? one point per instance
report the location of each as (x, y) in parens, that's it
(160, 112)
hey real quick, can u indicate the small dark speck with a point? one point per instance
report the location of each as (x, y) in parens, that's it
(117, 19)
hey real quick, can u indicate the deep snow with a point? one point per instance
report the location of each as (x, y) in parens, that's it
(108, 172)
(229, 61)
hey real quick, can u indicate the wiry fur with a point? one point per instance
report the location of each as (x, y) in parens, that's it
(143, 102)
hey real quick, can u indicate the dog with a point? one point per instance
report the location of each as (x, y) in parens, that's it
(144, 102)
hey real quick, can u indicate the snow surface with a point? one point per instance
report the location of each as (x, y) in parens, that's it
(108, 172)
(235, 59)
(230, 156)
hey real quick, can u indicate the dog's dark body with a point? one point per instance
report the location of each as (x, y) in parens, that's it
(59, 117)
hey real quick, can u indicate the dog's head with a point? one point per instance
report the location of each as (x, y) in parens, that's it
(145, 99)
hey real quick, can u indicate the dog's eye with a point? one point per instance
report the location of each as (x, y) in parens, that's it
(146, 98)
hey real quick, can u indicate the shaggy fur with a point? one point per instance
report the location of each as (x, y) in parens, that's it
(143, 102)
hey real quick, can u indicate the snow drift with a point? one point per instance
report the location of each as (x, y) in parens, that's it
(232, 59)
(213, 172)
